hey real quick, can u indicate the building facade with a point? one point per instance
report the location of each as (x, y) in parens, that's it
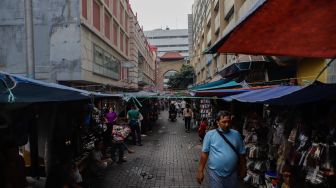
(81, 43)
(211, 19)
(169, 40)
(104, 43)
(170, 64)
(142, 54)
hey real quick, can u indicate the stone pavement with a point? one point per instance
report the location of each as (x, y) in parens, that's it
(168, 158)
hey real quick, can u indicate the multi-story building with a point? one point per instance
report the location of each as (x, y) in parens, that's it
(172, 51)
(81, 43)
(142, 54)
(104, 43)
(211, 20)
(169, 40)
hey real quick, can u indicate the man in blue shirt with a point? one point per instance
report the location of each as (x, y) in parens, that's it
(222, 159)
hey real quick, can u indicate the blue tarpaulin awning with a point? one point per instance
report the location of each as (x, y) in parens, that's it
(219, 93)
(225, 92)
(287, 95)
(226, 85)
(263, 94)
(25, 90)
(210, 84)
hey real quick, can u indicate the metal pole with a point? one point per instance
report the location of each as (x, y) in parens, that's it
(29, 25)
(33, 137)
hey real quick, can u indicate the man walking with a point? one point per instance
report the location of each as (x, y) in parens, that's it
(183, 106)
(133, 116)
(224, 150)
(187, 115)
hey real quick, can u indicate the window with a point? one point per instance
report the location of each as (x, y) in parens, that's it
(127, 46)
(107, 26)
(107, 2)
(84, 8)
(121, 41)
(121, 18)
(172, 45)
(126, 21)
(98, 55)
(229, 15)
(124, 73)
(168, 37)
(115, 4)
(115, 34)
(96, 15)
(105, 64)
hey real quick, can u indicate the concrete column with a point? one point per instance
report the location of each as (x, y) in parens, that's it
(29, 24)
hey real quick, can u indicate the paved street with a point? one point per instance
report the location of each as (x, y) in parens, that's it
(169, 158)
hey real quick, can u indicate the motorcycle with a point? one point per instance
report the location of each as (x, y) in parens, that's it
(172, 116)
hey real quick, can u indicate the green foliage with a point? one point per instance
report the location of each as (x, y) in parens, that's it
(183, 78)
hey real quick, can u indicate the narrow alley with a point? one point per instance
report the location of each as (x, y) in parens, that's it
(168, 158)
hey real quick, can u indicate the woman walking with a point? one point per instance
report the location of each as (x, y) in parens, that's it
(187, 114)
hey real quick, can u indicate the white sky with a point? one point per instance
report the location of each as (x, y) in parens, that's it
(153, 14)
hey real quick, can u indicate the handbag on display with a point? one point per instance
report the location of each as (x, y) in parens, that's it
(119, 133)
(292, 135)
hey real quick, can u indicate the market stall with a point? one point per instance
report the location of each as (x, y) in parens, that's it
(56, 120)
(291, 141)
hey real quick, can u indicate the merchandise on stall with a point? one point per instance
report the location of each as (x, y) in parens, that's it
(291, 150)
(205, 108)
(256, 150)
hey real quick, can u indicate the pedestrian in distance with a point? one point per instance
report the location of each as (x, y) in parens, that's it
(133, 117)
(202, 128)
(172, 112)
(224, 152)
(110, 119)
(183, 106)
(111, 116)
(178, 108)
(187, 115)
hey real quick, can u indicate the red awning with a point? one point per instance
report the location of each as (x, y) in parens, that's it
(300, 28)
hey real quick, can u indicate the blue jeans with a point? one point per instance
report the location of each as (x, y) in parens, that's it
(135, 132)
(216, 181)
